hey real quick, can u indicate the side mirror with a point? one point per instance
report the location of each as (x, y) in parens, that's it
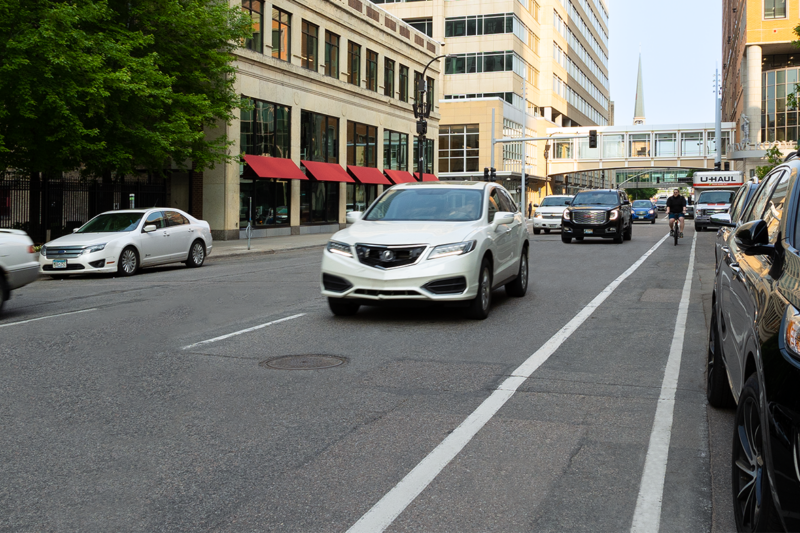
(752, 238)
(722, 219)
(535, 205)
(75, 230)
(502, 217)
(149, 228)
(353, 216)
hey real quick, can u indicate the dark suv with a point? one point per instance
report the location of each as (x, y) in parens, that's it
(754, 351)
(601, 213)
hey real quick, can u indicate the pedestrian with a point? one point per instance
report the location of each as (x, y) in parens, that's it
(530, 209)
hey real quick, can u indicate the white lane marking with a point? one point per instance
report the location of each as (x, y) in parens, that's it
(229, 335)
(396, 500)
(46, 317)
(647, 516)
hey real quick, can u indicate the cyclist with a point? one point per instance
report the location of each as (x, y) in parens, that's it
(676, 210)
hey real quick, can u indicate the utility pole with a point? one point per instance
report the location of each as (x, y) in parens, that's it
(522, 195)
(718, 124)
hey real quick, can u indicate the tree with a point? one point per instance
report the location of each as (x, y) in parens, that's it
(116, 85)
(774, 158)
(641, 194)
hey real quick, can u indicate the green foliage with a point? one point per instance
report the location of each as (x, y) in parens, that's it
(641, 194)
(774, 158)
(113, 85)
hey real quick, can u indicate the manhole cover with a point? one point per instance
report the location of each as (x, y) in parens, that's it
(303, 362)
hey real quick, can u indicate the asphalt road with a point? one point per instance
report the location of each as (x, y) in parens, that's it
(108, 424)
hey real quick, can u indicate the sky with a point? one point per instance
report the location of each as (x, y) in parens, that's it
(681, 45)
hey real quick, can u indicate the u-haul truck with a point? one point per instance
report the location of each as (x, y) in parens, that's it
(713, 192)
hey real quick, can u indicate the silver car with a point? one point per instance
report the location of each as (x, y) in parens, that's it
(18, 265)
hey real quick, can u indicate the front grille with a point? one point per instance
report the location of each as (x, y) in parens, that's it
(335, 283)
(64, 252)
(553, 215)
(370, 292)
(447, 286)
(389, 256)
(49, 268)
(589, 217)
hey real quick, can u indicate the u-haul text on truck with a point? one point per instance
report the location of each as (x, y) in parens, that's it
(714, 191)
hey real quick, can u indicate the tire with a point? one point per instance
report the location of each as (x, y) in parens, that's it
(653, 221)
(128, 262)
(519, 286)
(698, 228)
(619, 237)
(566, 239)
(718, 390)
(342, 307)
(748, 471)
(547, 231)
(4, 292)
(479, 307)
(628, 235)
(197, 255)
(536, 231)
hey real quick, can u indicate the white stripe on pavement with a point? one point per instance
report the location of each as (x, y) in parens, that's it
(46, 317)
(396, 500)
(229, 335)
(647, 516)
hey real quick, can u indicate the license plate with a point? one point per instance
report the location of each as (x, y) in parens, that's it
(59, 263)
(589, 231)
(640, 216)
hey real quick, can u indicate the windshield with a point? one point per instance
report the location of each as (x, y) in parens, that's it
(112, 223)
(556, 201)
(661, 201)
(596, 198)
(427, 204)
(642, 203)
(716, 197)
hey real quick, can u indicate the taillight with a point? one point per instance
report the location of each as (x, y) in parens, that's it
(31, 250)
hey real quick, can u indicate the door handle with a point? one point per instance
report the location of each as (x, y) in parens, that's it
(725, 249)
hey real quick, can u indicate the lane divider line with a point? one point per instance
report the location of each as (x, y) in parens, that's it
(46, 317)
(388, 508)
(235, 333)
(647, 516)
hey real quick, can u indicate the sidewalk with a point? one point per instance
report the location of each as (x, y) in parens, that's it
(268, 245)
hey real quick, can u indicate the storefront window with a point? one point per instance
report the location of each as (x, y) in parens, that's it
(395, 150)
(362, 145)
(319, 202)
(360, 196)
(430, 146)
(265, 130)
(270, 200)
(319, 137)
(639, 145)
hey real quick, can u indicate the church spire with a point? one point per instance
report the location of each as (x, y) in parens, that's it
(638, 112)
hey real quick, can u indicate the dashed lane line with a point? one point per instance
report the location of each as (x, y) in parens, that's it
(235, 333)
(46, 317)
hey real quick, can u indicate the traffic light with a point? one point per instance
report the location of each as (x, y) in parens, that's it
(727, 165)
(658, 179)
(592, 138)
(485, 174)
(494, 173)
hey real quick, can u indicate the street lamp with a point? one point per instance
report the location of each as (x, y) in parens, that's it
(422, 110)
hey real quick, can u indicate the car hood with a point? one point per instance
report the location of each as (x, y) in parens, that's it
(551, 209)
(396, 233)
(86, 239)
(641, 208)
(593, 207)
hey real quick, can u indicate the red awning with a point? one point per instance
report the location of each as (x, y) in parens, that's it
(368, 175)
(400, 176)
(327, 171)
(274, 167)
(429, 177)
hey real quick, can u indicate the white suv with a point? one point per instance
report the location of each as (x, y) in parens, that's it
(18, 264)
(429, 241)
(548, 215)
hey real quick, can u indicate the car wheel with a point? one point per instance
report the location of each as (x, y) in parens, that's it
(519, 286)
(547, 231)
(718, 390)
(698, 228)
(480, 305)
(342, 307)
(128, 262)
(566, 239)
(653, 221)
(536, 231)
(753, 508)
(620, 236)
(197, 255)
(628, 235)
(4, 293)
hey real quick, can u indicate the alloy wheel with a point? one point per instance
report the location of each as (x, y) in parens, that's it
(712, 345)
(523, 271)
(198, 254)
(128, 261)
(750, 481)
(486, 290)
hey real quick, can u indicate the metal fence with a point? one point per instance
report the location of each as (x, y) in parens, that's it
(48, 207)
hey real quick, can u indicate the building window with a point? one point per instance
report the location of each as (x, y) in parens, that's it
(774, 9)
(281, 34)
(360, 196)
(372, 70)
(666, 145)
(255, 10)
(308, 53)
(265, 130)
(692, 144)
(429, 147)
(319, 202)
(271, 202)
(711, 145)
(535, 10)
(613, 146)
(362, 145)
(319, 137)
(388, 77)
(422, 25)
(779, 122)
(431, 92)
(395, 150)
(458, 148)
(354, 63)
(403, 83)
(639, 145)
(486, 25)
(331, 54)
(486, 62)
(562, 149)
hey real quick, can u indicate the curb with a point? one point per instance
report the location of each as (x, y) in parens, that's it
(265, 252)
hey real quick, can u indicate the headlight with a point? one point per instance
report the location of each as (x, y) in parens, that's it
(699, 212)
(792, 337)
(651, 211)
(566, 214)
(339, 248)
(613, 214)
(447, 250)
(93, 248)
(43, 251)
(537, 215)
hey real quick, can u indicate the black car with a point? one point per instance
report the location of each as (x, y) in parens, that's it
(738, 207)
(754, 352)
(602, 213)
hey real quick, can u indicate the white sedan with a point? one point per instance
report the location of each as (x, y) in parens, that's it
(18, 264)
(122, 241)
(430, 241)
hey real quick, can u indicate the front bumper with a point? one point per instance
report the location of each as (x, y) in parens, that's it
(609, 229)
(22, 275)
(704, 221)
(547, 223)
(646, 216)
(95, 263)
(403, 283)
